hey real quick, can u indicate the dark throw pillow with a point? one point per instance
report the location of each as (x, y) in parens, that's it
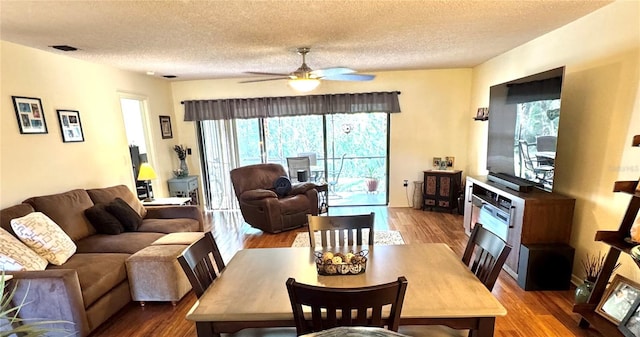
(129, 218)
(282, 186)
(103, 221)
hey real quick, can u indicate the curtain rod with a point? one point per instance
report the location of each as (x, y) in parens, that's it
(398, 92)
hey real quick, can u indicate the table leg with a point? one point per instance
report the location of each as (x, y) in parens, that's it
(205, 329)
(486, 326)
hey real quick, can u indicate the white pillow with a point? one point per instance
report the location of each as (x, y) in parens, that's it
(44, 236)
(15, 256)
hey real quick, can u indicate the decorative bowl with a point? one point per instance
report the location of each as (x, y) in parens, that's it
(329, 264)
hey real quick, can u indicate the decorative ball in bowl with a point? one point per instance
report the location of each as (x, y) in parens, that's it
(329, 263)
(180, 173)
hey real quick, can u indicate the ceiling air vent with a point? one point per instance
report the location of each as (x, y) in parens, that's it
(64, 47)
(169, 76)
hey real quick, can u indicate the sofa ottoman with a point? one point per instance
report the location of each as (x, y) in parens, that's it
(155, 274)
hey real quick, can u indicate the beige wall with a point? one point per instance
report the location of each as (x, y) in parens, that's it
(600, 114)
(42, 164)
(434, 119)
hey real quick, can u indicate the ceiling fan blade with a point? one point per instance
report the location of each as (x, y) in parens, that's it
(331, 71)
(266, 79)
(350, 77)
(267, 74)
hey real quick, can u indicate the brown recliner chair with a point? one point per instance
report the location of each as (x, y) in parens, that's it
(263, 208)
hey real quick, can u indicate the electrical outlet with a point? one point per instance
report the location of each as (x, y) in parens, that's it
(189, 151)
(405, 183)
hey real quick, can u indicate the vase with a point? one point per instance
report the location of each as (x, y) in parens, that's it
(184, 168)
(583, 292)
(417, 194)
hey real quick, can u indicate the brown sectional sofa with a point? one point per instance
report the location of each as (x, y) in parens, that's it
(92, 285)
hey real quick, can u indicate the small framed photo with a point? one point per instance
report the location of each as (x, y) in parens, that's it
(70, 126)
(482, 113)
(30, 115)
(165, 127)
(450, 161)
(436, 162)
(630, 324)
(618, 299)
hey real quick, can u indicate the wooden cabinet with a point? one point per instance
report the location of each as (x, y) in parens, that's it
(535, 217)
(186, 187)
(617, 244)
(441, 189)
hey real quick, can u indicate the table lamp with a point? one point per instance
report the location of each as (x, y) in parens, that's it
(146, 174)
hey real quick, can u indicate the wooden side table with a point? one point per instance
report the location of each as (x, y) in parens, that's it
(173, 201)
(186, 187)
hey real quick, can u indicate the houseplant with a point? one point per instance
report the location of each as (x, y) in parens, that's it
(372, 179)
(11, 325)
(592, 266)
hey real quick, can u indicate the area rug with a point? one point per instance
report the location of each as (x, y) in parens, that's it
(379, 238)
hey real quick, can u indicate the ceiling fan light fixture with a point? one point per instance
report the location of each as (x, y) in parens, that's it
(304, 84)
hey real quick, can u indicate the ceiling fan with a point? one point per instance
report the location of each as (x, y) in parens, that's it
(305, 79)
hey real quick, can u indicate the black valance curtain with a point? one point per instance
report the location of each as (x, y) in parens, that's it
(263, 107)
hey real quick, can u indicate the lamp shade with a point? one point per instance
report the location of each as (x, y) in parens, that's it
(304, 84)
(146, 172)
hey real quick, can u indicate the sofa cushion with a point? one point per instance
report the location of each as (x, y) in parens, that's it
(16, 256)
(169, 225)
(127, 242)
(13, 212)
(67, 210)
(44, 236)
(126, 215)
(103, 221)
(108, 194)
(98, 273)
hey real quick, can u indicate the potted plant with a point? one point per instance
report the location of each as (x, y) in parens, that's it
(11, 324)
(592, 266)
(372, 179)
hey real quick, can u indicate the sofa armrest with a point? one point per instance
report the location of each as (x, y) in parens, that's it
(175, 212)
(257, 195)
(52, 295)
(301, 188)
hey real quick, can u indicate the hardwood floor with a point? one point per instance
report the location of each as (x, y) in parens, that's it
(530, 314)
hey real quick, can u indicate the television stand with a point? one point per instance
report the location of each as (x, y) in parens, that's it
(508, 181)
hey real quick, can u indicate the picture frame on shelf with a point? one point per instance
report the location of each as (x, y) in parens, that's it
(70, 126)
(630, 324)
(450, 162)
(30, 115)
(436, 163)
(165, 127)
(618, 299)
(482, 114)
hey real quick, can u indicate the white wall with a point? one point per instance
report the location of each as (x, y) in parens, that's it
(600, 114)
(42, 164)
(433, 123)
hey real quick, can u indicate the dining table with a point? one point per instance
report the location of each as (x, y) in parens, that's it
(251, 290)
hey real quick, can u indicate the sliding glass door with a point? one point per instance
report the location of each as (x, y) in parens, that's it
(350, 151)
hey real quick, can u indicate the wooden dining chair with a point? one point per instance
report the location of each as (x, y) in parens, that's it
(196, 262)
(340, 230)
(485, 255)
(332, 307)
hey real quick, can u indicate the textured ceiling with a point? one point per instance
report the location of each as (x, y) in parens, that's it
(223, 39)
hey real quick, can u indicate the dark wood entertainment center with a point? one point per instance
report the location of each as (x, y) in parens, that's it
(534, 217)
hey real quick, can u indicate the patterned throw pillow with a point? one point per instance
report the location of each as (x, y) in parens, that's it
(15, 256)
(44, 236)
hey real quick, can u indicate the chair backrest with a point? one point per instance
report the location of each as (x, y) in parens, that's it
(524, 152)
(253, 177)
(196, 262)
(295, 164)
(340, 304)
(313, 157)
(546, 143)
(490, 253)
(338, 230)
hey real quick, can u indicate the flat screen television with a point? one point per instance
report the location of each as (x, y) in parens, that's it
(524, 116)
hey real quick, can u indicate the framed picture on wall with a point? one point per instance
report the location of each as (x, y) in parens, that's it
(30, 115)
(70, 126)
(165, 127)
